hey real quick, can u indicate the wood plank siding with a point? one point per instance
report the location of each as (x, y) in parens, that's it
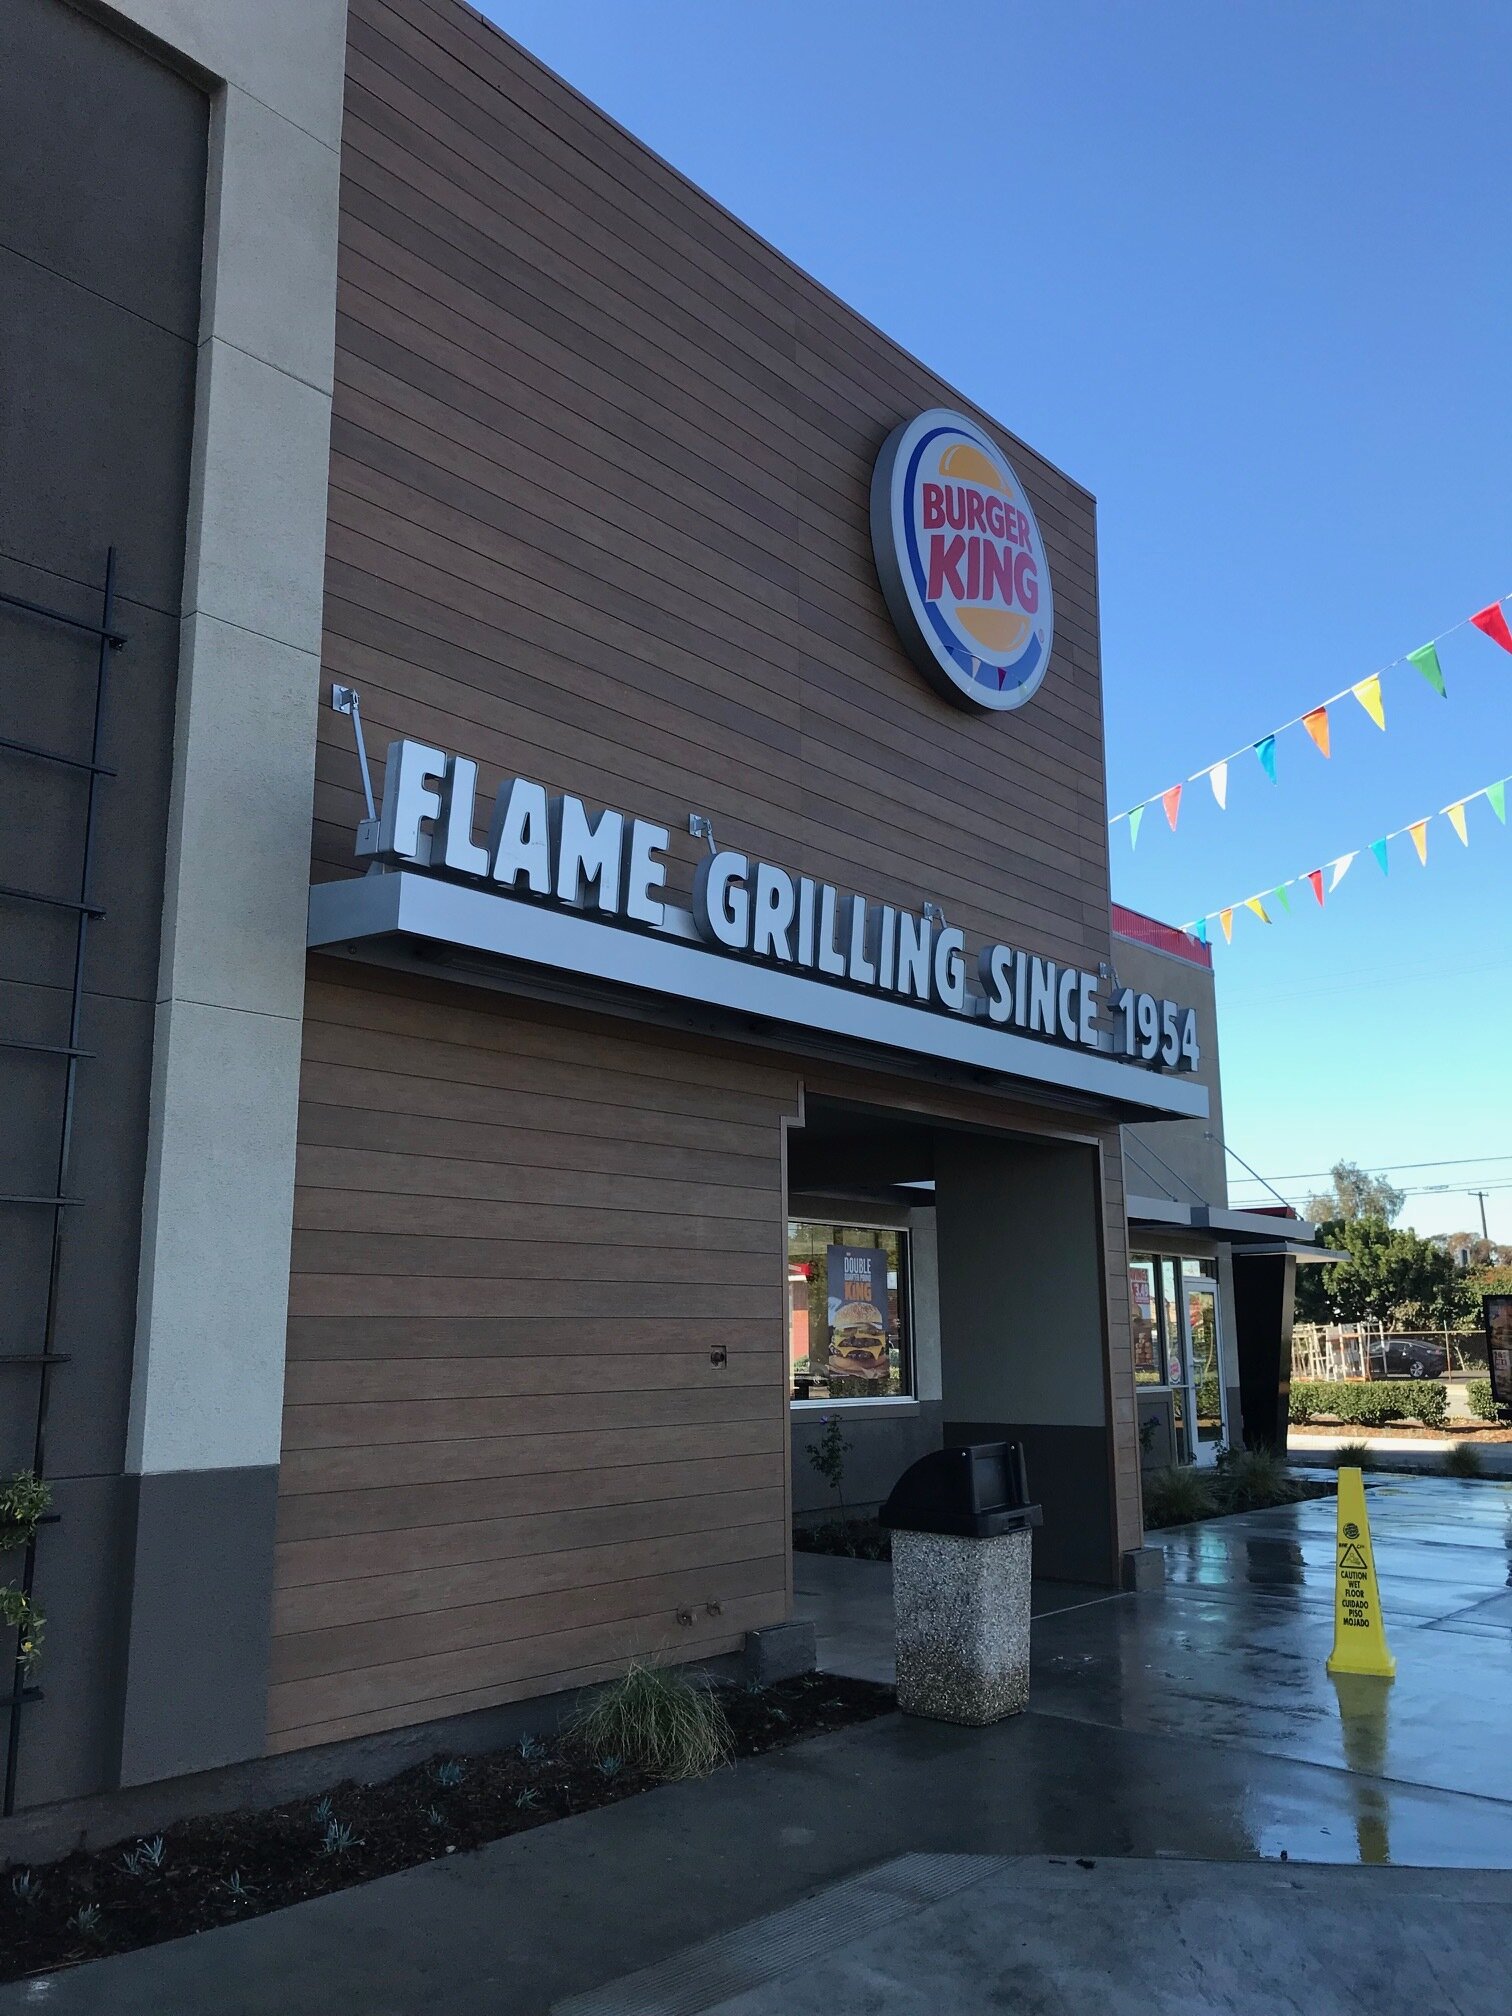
(509, 1458)
(598, 515)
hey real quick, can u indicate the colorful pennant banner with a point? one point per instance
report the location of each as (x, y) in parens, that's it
(1491, 621)
(1416, 831)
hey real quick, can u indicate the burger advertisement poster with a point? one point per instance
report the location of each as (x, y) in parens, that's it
(856, 1296)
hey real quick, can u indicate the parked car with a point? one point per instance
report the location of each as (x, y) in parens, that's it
(1408, 1358)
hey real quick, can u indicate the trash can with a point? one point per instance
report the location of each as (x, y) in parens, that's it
(961, 1523)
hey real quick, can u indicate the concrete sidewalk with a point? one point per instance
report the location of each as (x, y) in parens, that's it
(1196, 1727)
(1416, 1453)
(977, 1935)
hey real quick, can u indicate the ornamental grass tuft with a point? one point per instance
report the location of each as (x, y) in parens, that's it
(1354, 1456)
(1249, 1480)
(655, 1719)
(1176, 1495)
(1463, 1460)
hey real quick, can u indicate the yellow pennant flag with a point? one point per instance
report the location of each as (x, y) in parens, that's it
(1419, 833)
(1368, 693)
(1359, 1630)
(1226, 919)
(1254, 903)
(1456, 816)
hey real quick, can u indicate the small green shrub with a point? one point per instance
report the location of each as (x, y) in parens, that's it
(1482, 1406)
(658, 1720)
(1370, 1403)
(1463, 1460)
(1176, 1495)
(24, 1498)
(1249, 1480)
(828, 1455)
(19, 1613)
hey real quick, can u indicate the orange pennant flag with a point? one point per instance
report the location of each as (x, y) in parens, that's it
(1368, 693)
(1226, 919)
(1316, 724)
(1419, 834)
(1254, 903)
(1456, 814)
(1172, 802)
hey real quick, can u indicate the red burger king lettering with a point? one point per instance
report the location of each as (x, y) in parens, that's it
(972, 568)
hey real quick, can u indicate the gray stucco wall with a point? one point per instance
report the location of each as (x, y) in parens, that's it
(168, 233)
(102, 182)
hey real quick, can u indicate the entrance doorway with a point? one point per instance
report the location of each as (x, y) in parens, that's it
(948, 1283)
(1177, 1360)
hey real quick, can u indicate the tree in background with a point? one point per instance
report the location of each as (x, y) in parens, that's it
(1356, 1194)
(1391, 1276)
(1469, 1249)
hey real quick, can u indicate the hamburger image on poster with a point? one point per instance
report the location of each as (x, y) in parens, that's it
(961, 563)
(856, 1298)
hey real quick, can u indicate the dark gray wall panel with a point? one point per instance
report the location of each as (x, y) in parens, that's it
(108, 140)
(882, 1447)
(201, 1583)
(95, 416)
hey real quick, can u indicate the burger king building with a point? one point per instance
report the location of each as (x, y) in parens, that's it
(605, 958)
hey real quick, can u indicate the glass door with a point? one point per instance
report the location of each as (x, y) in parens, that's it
(1204, 1366)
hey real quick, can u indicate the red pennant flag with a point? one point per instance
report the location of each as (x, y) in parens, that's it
(1494, 624)
(1315, 876)
(1172, 802)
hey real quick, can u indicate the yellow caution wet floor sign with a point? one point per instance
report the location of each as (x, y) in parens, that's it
(1359, 1631)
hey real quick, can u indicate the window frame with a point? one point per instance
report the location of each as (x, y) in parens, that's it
(904, 1235)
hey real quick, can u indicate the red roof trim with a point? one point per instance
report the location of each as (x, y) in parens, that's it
(1164, 937)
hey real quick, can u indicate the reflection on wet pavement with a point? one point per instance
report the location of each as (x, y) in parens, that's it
(1223, 1674)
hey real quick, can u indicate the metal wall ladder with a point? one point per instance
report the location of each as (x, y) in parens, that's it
(40, 1364)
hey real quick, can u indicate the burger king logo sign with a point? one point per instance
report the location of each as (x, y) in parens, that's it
(961, 562)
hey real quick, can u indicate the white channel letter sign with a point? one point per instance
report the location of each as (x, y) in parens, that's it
(961, 562)
(552, 849)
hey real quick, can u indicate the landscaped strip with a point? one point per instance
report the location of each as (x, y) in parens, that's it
(219, 1869)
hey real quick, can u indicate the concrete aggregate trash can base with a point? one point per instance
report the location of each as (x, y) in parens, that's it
(961, 1620)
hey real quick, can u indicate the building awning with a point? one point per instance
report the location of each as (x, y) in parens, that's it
(1249, 1231)
(381, 917)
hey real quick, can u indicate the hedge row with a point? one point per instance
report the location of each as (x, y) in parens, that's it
(1370, 1403)
(1482, 1406)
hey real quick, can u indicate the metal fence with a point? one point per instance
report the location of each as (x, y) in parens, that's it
(1380, 1351)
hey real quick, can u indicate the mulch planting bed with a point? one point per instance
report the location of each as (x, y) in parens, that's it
(854, 1539)
(214, 1871)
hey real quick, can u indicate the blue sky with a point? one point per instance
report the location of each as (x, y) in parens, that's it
(1244, 271)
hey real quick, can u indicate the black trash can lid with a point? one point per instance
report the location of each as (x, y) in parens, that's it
(976, 1489)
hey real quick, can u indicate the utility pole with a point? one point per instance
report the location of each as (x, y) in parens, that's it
(1480, 1197)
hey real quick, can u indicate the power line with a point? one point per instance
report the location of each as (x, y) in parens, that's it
(1383, 1168)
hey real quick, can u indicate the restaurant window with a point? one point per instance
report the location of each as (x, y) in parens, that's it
(1174, 1323)
(849, 1327)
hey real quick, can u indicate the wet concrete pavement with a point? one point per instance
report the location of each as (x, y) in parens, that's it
(1234, 1649)
(1167, 1732)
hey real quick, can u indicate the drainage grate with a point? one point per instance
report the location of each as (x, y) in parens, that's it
(735, 1962)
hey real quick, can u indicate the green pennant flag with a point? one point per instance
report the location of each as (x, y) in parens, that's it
(1136, 820)
(1496, 797)
(1426, 659)
(1283, 899)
